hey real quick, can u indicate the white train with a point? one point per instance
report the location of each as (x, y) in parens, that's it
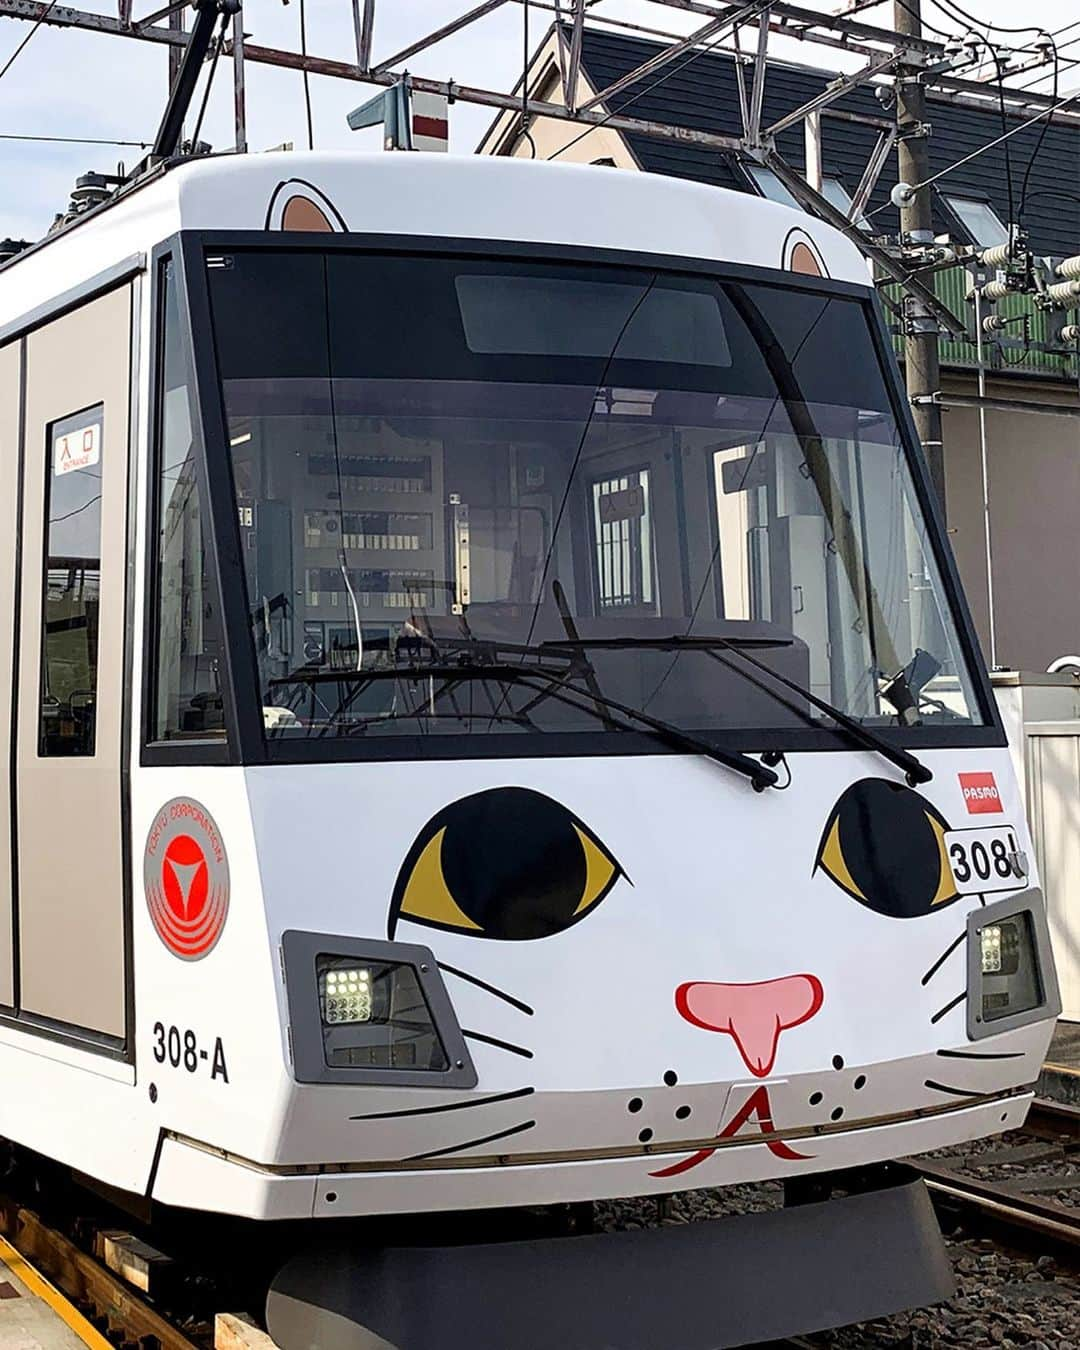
(492, 721)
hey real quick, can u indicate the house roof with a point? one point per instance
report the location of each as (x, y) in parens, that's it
(701, 92)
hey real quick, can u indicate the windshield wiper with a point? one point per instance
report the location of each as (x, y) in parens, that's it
(915, 770)
(553, 684)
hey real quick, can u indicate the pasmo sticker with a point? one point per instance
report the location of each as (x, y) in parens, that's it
(981, 794)
(186, 878)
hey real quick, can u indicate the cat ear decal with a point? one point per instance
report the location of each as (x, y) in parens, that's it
(507, 863)
(299, 205)
(802, 255)
(884, 844)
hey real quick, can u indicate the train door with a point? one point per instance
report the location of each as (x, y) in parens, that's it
(10, 369)
(71, 622)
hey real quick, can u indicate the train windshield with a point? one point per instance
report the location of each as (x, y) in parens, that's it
(481, 497)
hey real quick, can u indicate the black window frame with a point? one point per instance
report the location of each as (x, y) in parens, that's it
(211, 750)
(246, 741)
(43, 672)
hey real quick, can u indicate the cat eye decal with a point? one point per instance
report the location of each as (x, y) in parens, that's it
(885, 845)
(802, 255)
(299, 205)
(507, 863)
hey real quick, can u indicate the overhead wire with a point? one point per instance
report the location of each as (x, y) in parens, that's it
(1004, 127)
(990, 145)
(72, 140)
(526, 134)
(23, 44)
(1042, 137)
(306, 75)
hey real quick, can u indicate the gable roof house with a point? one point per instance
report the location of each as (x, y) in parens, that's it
(1027, 431)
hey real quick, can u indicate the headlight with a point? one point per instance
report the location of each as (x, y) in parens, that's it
(375, 1016)
(367, 1011)
(1009, 978)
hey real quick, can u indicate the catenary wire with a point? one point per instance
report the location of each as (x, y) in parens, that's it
(525, 132)
(1042, 136)
(71, 140)
(22, 45)
(307, 78)
(1056, 107)
(1004, 128)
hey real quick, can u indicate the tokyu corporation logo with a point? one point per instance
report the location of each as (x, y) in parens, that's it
(186, 878)
(981, 795)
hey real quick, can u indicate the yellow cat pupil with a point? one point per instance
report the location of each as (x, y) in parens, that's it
(427, 895)
(599, 871)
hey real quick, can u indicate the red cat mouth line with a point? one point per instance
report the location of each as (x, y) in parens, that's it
(757, 1106)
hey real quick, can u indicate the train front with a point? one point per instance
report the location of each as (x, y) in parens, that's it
(626, 809)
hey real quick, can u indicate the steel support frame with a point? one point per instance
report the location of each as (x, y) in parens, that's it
(896, 271)
(791, 20)
(676, 49)
(883, 47)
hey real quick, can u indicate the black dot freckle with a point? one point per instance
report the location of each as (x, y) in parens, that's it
(860, 1082)
(838, 1061)
(645, 1136)
(837, 1113)
(635, 1104)
(815, 1099)
(671, 1078)
(682, 1113)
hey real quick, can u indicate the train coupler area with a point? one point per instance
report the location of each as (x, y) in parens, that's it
(735, 1281)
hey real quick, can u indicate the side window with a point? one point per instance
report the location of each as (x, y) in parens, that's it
(187, 696)
(72, 584)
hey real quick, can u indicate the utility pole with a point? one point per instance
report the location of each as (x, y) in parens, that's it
(921, 363)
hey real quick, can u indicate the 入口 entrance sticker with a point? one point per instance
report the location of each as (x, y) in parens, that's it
(78, 449)
(186, 878)
(980, 791)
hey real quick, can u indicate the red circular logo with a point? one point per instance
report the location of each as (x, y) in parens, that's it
(186, 878)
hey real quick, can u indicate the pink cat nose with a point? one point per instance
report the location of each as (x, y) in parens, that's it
(754, 1015)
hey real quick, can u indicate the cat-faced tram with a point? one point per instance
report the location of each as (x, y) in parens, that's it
(492, 716)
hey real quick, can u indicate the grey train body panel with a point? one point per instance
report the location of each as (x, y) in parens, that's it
(10, 402)
(69, 846)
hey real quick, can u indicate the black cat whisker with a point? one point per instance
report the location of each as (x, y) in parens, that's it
(948, 1007)
(952, 1091)
(509, 1046)
(466, 1105)
(979, 1054)
(488, 988)
(943, 958)
(473, 1143)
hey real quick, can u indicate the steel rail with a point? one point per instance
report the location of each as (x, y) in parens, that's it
(1042, 1218)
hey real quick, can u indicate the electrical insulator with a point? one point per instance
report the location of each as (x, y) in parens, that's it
(1070, 333)
(1065, 293)
(996, 290)
(994, 323)
(998, 256)
(1069, 268)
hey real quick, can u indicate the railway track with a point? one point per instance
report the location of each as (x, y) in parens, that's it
(1016, 1208)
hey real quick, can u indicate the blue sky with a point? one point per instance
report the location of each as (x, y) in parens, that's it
(83, 84)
